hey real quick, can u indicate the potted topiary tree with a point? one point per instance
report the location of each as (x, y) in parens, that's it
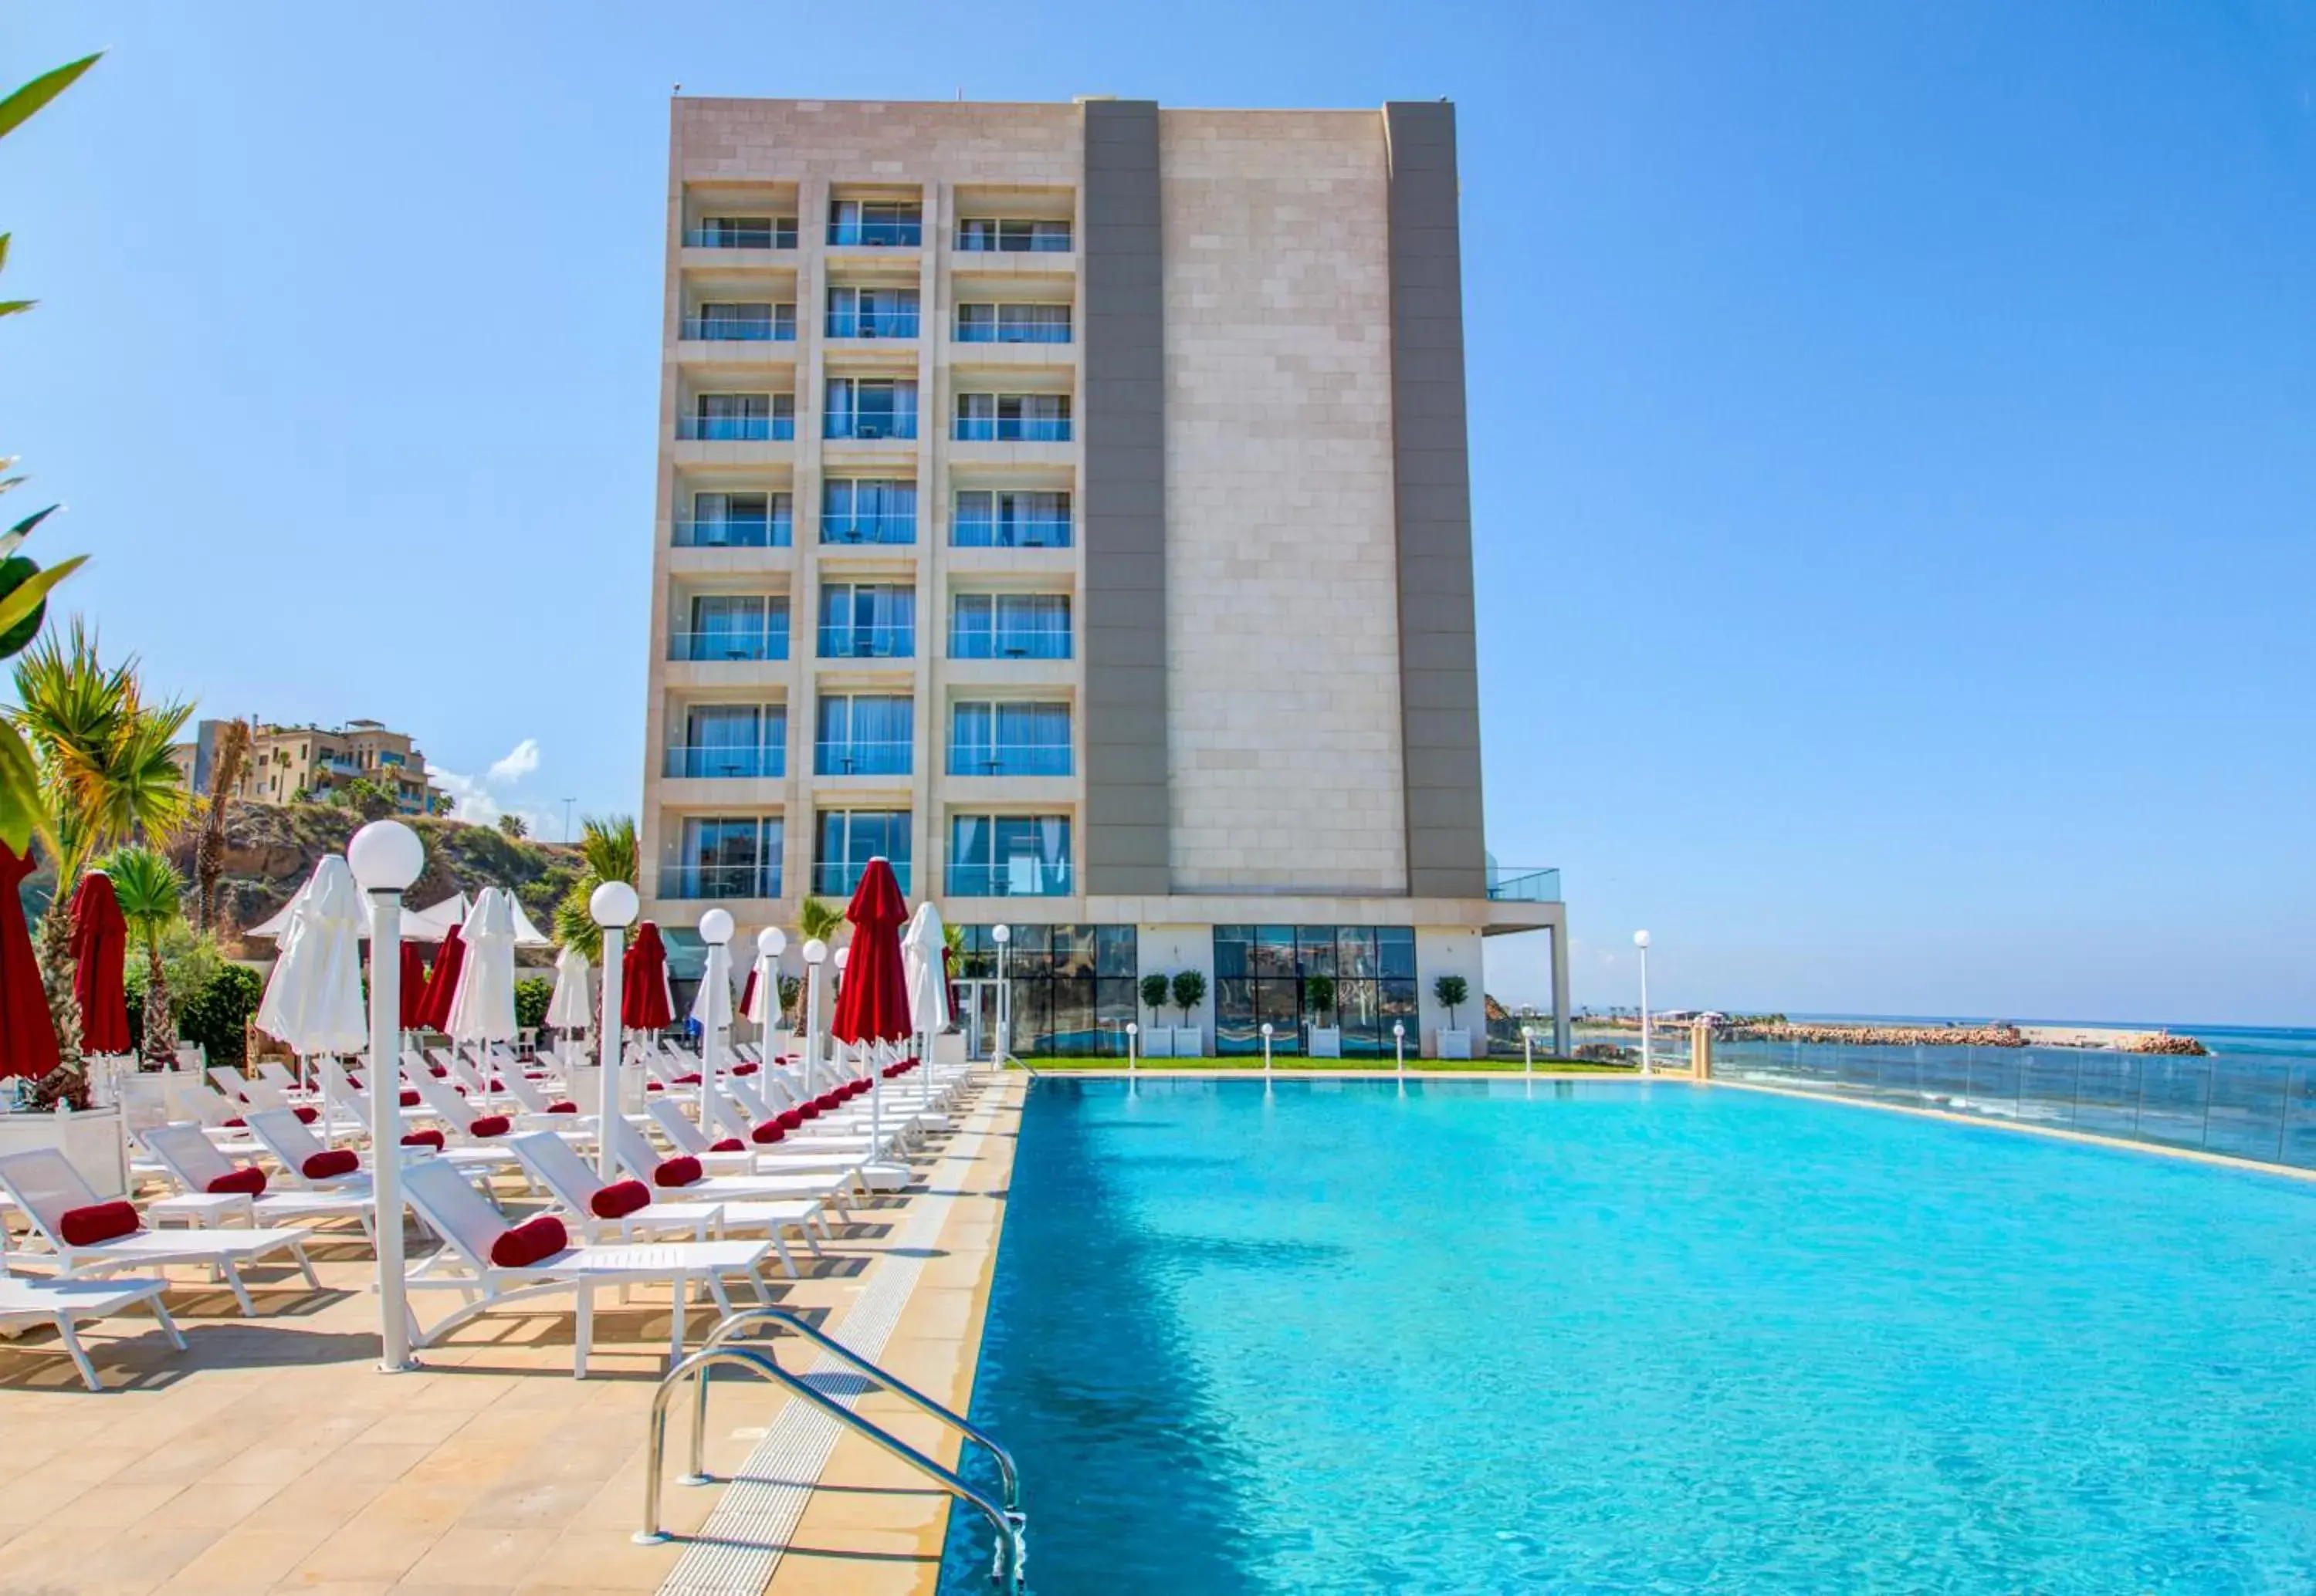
(1190, 987)
(1453, 992)
(1157, 1040)
(1319, 1004)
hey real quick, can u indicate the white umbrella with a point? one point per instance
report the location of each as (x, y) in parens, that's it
(764, 1002)
(482, 1007)
(570, 1008)
(711, 1005)
(921, 962)
(314, 997)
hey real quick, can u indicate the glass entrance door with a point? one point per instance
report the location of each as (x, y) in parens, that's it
(977, 1014)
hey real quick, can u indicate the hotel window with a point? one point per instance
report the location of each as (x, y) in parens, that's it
(868, 621)
(1259, 972)
(850, 838)
(736, 521)
(724, 741)
(871, 407)
(1013, 323)
(748, 321)
(1013, 417)
(726, 856)
(1072, 986)
(1009, 626)
(872, 313)
(988, 518)
(1012, 235)
(733, 626)
(876, 223)
(861, 734)
(743, 232)
(867, 509)
(725, 418)
(1008, 856)
(1003, 739)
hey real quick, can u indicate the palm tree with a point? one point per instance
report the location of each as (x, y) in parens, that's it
(607, 853)
(151, 900)
(819, 919)
(209, 854)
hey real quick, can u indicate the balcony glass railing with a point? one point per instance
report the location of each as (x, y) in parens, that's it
(740, 329)
(872, 235)
(700, 429)
(842, 425)
(835, 879)
(704, 762)
(720, 880)
(1011, 429)
(1024, 644)
(1012, 332)
(732, 532)
(781, 235)
(1019, 532)
(1024, 877)
(872, 323)
(861, 758)
(977, 235)
(867, 642)
(892, 525)
(1027, 759)
(705, 646)
(1523, 886)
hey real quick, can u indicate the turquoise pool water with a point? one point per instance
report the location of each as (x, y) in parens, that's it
(1617, 1337)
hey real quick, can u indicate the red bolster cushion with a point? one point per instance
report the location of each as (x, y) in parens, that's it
(769, 1131)
(563, 1108)
(335, 1161)
(306, 1116)
(744, 1069)
(423, 1138)
(490, 1125)
(807, 1111)
(437, 1071)
(526, 1244)
(409, 1099)
(789, 1119)
(687, 1080)
(100, 1221)
(248, 1183)
(236, 1123)
(727, 1144)
(619, 1199)
(677, 1172)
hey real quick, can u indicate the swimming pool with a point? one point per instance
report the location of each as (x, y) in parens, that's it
(1581, 1336)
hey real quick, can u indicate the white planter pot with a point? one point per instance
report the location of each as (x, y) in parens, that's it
(1157, 1042)
(1454, 1044)
(1326, 1041)
(90, 1142)
(1190, 1042)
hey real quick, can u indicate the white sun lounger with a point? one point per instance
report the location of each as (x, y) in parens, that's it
(46, 1186)
(65, 1305)
(635, 1155)
(800, 1156)
(193, 1163)
(573, 1183)
(468, 1226)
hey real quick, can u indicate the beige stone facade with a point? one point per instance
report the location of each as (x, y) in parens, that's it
(287, 764)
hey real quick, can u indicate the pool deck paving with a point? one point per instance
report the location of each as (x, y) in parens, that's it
(273, 1456)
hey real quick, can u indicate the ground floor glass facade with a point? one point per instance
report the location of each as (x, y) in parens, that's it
(1072, 986)
(1266, 973)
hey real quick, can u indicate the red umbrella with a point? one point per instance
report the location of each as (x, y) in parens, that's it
(413, 987)
(872, 1005)
(100, 942)
(748, 991)
(434, 1014)
(948, 975)
(28, 1035)
(643, 982)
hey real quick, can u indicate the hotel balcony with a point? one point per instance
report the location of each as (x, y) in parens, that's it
(874, 427)
(896, 641)
(883, 526)
(833, 879)
(1005, 759)
(1022, 876)
(704, 647)
(768, 531)
(757, 429)
(862, 759)
(875, 325)
(706, 762)
(720, 880)
(776, 328)
(771, 233)
(872, 232)
(1013, 429)
(1523, 886)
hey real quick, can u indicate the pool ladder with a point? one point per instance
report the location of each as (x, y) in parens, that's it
(1008, 1568)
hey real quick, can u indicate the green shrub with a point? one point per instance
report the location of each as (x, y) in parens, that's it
(1153, 991)
(216, 1012)
(532, 994)
(1319, 994)
(1190, 991)
(1452, 991)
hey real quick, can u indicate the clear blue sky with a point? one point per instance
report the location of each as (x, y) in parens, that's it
(1895, 428)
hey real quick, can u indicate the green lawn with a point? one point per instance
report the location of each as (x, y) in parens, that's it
(1286, 1066)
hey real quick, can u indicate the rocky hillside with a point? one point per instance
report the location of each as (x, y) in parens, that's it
(272, 848)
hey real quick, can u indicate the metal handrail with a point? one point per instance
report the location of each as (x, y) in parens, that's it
(1008, 1567)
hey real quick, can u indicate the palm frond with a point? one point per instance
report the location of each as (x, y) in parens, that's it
(150, 892)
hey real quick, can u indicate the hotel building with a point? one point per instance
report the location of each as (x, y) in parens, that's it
(1069, 503)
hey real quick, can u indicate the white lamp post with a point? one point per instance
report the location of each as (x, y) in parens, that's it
(1132, 1031)
(771, 941)
(1399, 1049)
(1001, 936)
(716, 931)
(613, 906)
(1527, 1047)
(844, 957)
(1266, 1054)
(1648, 1063)
(815, 953)
(387, 856)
